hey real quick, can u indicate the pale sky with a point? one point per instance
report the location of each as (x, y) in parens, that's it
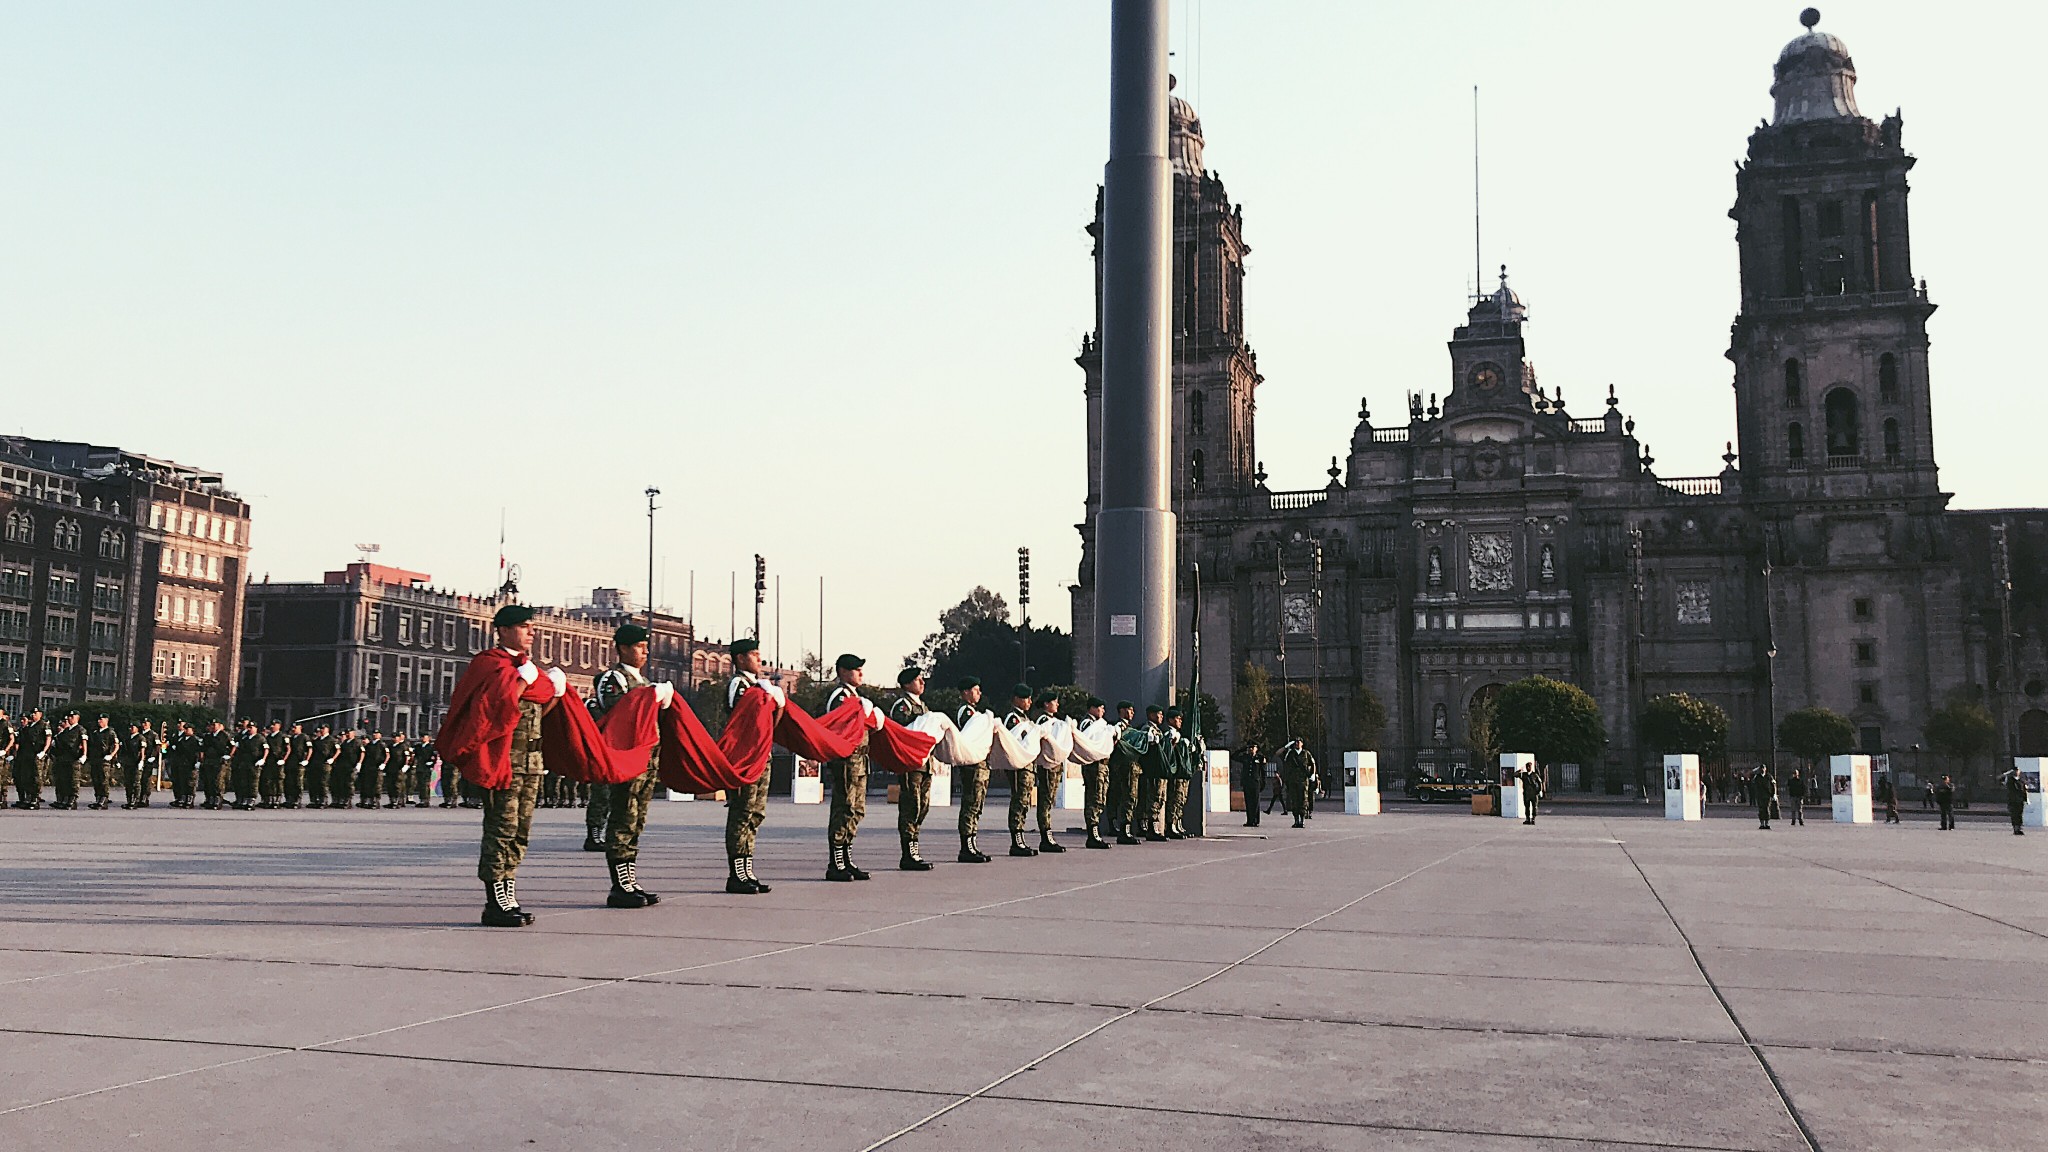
(817, 270)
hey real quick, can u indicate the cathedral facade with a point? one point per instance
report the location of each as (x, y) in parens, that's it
(1465, 544)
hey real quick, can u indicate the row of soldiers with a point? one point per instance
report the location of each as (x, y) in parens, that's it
(262, 768)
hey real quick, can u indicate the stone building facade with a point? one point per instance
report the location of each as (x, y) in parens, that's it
(1494, 534)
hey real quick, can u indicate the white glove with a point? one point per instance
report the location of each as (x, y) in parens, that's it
(871, 714)
(665, 693)
(560, 681)
(780, 697)
(528, 672)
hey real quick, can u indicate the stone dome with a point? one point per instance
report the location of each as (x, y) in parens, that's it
(1183, 133)
(1814, 79)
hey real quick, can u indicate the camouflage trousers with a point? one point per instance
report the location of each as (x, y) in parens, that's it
(337, 783)
(184, 781)
(64, 780)
(1094, 795)
(1295, 787)
(1176, 791)
(1048, 797)
(508, 821)
(745, 807)
(913, 804)
(295, 774)
(270, 781)
(973, 796)
(367, 778)
(102, 774)
(397, 784)
(136, 784)
(1123, 795)
(28, 784)
(849, 781)
(625, 807)
(1151, 799)
(1023, 794)
(598, 813)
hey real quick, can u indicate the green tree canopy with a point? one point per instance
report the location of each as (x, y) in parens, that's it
(1252, 693)
(1556, 722)
(1676, 724)
(1368, 719)
(976, 638)
(1960, 730)
(1212, 714)
(1296, 712)
(1816, 733)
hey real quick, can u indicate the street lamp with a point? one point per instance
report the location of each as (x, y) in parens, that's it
(652, 492)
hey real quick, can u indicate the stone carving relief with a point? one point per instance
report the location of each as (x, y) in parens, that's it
(1695, 602)
(1492, 562)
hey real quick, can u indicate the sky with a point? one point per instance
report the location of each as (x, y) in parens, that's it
(407, 271)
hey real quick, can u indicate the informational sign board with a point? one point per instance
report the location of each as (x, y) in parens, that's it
(1682, 787)
(1216, 782)
(1362, 783)
(1511, 766)
(1849, 786)
(807, 784)
(2030, 770)
(1073, 790)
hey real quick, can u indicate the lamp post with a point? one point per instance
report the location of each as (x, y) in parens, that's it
(1024, 609)
(652, 492)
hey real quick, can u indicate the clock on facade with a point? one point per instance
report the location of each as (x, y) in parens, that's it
(1486, 377)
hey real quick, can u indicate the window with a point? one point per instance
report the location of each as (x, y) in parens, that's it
(106, 636)
(13, 623)
(62, 587)
(66, 536)
(1866, 651)
(1893, 451)
(1795, 443)
(1828, 217)
(199, 525)
(113, 546)
(1196, 469)
(404, 677)
(21, 527)
(1792, 253)
(583, 654)
(58, 669)
(208, 613)
(1795, 389)
(1888, 379)
(1871, 737)
(1861, 608)
(373, 677)
(101, 676)
(374, 623)
(227, 533)
(448, 634)
(163, 606)
(252, 620)
(547, 648)
(405, 627)
(1198, 415)
(1844, 437)
(1866, 693)
(15, 582)
(184, 522)
(60, 629)
(156, 516)
(13, 666)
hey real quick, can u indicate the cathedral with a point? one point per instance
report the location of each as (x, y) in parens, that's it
(1463, 545)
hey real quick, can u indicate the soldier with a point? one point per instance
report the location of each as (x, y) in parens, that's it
(132, 794)
(398, 772)
(1047, 706)
(370, 768)
(103, 762)
(973, 777)
(913, 788)
(1297, 767)
(1095, 778)
(6, 755)
(2016, 800)
(1763, 789)
(277, 750)
(182, 756)
(597, 813)
(1123, 775)
(320, 765)
(247, 764)
(1945, 800)
(1251, 775)
(508, 675)
(68, 750)
(625, 805)
(298, 758)
(1185, 754)
(31, 745)
(424, 759)
(848, 777)
(1152, 774)
(1795, 789)
(1531, 780)
(341, 779)
(746, 805)
(1023, 781)
(151, 760)
(217, 752)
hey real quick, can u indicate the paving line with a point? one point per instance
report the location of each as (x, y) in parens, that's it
(1130, 1012)
(1756, 1051)
(1910, 892)
(590, 986)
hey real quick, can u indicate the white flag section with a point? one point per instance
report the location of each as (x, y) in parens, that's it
(1093, 741)
(1056, 742)
(969, 745)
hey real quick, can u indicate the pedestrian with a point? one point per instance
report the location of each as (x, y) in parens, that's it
(1795, 788)
(747, 805)
(1945, 800)
(625, 804)
(1297, 765)
(1531, 780)
(848, 777)
(2016, 800)
(973, 777)
(1763, 789)
(1888, 795)
(1251, 775)
(913, 787)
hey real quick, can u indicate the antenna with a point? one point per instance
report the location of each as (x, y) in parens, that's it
(366, 551)
(1478, 279)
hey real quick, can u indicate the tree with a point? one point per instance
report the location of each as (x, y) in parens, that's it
(1294, 713)
(981, 604)
(1368, 719)
(1814, 734)
(1482, 729)
(1212, 714)
(1959, 731)
(1677, 724)
(1556, 722)
(1248, 701)
(976, 638)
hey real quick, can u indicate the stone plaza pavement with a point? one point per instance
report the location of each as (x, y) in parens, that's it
(1425, 979)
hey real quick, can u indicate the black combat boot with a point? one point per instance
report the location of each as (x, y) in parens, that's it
(1152, 832)
(1124, 835)
(1174, 832)
(626, 891)
(1018, 847)
(738, 878)
(747, 866)
(836, 868)
(1047, 844)
(591, 841)
(969, 854)
(499, 909)
(855, 869)
(1095, 839)
(911, 861)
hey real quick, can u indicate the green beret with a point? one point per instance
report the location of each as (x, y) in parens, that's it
(1021, 691)
(904, 677)
(1123, 704)
(1153, 709)
(627, 635)
(742, 647)
(1045, 697)
(1173, 713)
(1096, 702)
(511, 614)
(967, 682)
(847, 662)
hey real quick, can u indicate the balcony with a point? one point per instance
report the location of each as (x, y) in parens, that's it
(1294, 501)
(1693, 485)
(1390, 435)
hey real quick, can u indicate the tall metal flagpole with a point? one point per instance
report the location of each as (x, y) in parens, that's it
(1194, 817)
(1135, 564)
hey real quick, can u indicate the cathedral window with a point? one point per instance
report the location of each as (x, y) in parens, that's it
(1795, 443)
(1195, 469)
(1795, 387)
(1828, 216)
(1198, 413)
(1844, 437)
(1893, 453)
(1792, 254)
(1873, 268)
(1834, 272)
(1888, 379)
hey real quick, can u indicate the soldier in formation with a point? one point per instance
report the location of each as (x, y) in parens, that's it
(1046, 788)
(973, 777)
(217, 752)
(848, 779)
(68, 752)
(1125, 773)
(625, 805)
(103, 762)
(1023, 781)
(370, 768)
(914, 788)
(1251, 773)
(298, 762)
(1297, 769)
(1095, 778)
(182, 755)
(424, 761)
(747, 805)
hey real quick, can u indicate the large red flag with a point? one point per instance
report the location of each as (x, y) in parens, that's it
(476, 733)
(611, 752)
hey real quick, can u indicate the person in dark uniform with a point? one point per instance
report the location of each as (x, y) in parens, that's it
(747, 805)
(848, 778)
(425, 763)
(2016, 800)
(320, 767)
(31, 744)
(370, 769)
(1795, 789)
(1251, 775)
(1023, 781)
(1531, 781)
(216, 753)
(398, 772)
(182, 756)
(298, 758)
(1297, 771)
(1945, 800)
(913, 788)
(1888, 795)
(1123, 777)
(6, 755)
(1152, 775)
(132, 794)
(68, 750)
(1095, 779)
(1763, 789)
(150, 761)
(973, 777)
(103, 763)
(341, 779)
(247, 765)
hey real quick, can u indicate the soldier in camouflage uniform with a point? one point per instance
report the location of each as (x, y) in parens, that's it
(31, 744)
(1297, 769)
(848, 778)
(1095, 778)
(424, 761)
(914, 788)
(1047, 706)
(320, 767)
(398, 772)
(370, 768)
(132, 793)
(297, 763)
(181, 756)
(151, 760)
(625, 805)
(1152, 774)
(246, 766)
(103, 763)
(746, 805)
(68, 750)
(6, 755)
(508, 811)
(277, 749)
(1023, 781)
(973, 778)
(1186, 757)
(341, 780)
(1123, 776)
(218, 751)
